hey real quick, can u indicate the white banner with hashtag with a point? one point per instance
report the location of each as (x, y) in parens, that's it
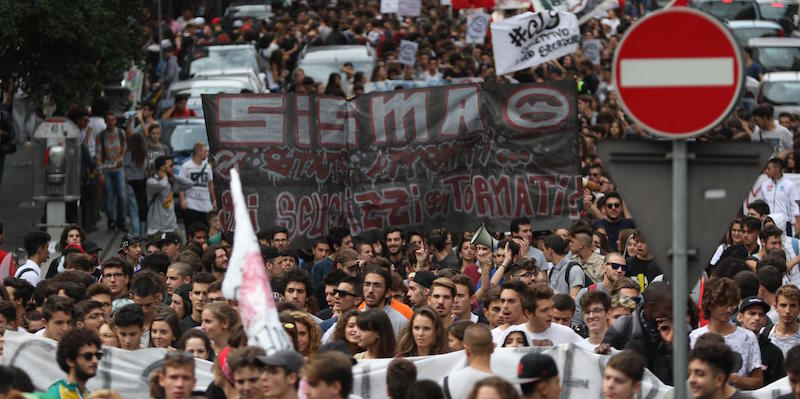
(530, 39)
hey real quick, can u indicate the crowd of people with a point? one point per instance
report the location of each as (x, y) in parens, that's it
(345, 299)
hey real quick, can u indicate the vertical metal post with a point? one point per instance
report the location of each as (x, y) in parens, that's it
(160, 35)
(680, 260)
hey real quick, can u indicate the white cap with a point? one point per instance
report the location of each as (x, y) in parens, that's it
(166, 43)
(238, 23)
(199, 21)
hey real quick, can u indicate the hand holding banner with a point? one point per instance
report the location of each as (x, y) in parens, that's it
(246, 281)
(530, 39)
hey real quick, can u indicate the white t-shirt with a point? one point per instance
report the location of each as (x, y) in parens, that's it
(29, 272)
(741, 341)
(197, 197)
(780, 138)
(585, 344)
(557, 334)
(460, 382)
(784, 343)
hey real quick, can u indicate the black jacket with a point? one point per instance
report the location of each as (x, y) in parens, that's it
(772, 359)
(634, 332)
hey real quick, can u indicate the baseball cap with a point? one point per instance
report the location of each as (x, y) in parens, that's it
(127, 241)
(287, 358)
(90, 246)
(534, 367)
(424, 278)
(753, 301)
(170, 237)
(69, 248)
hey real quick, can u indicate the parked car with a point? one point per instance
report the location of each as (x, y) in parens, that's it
(223, 58)
(181, 135)
(782, 12)
(776, 53)
(746, 30)
(782, 91)
(730, 10)
(246, 75)
(320, 61)
(258, 10)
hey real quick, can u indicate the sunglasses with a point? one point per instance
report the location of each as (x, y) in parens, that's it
(89, 355)
(613, 205)
(616, 266)
(343, 293)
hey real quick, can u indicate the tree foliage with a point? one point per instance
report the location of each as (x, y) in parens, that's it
(65, 49)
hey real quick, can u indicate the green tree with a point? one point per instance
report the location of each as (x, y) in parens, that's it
(65, 49)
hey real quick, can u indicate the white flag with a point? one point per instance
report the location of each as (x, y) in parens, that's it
(530, 39)
(246, 281)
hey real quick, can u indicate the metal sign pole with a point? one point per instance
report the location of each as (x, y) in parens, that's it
(680, 260)
(160, 35)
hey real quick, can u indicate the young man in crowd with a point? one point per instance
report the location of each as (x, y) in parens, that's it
(57, 316)
(281, 376)
(297, 288)
(613, 268)
(511, 297)
(792, 367)
(19, 292)
(338, 238)
(539, 377)
(478, 347)
(492, 309)
(720, 298)
(522, 231)
(580, 245)
(78, 354)
(129, 321)
(198, 295)
(752, 316)
(147, 291)
(538, 307)
(176, 377)
(622, 377)
(116, 275)
(247, 371)
(563, 309)
(102, 294)
(555, 251)
(786, 334)
(36, 247)
(419, 288)
(130, 250)
(400, 374)
(347, 295)
(395, 248)
(377, 295)
(178, 274)
(199, 199)
(442, 293)
(710, 364)
(329, 376)
(465, 296)
(89, 315)
(595, 318)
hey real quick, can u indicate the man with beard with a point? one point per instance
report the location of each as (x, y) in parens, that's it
(215, 258)
(395, 243)
(614, 267)
(78, 355)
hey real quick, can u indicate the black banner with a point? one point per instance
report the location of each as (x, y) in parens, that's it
(451, 156)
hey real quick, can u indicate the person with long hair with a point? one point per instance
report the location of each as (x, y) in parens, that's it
(347, 330)
(165, 329)
(108, 333)
(466, 254)
(196, 342)
(135, 165)
(72, 234)
(375, 334)
(181, 303)
(424, 335)
(334, 87)
(218, 319)
(309, 335)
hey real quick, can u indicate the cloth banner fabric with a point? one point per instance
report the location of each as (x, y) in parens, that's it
(391, 85)
(530, 39)
(452, 156)
(246, 281)
(580, 371)
(127, 372)
(477, 23)
(408, 52)
(571, 6)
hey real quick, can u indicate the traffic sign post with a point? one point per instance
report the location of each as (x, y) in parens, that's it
(678, 73)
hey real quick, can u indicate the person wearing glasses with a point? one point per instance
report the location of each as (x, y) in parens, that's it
(614, 218)
(78, 355)
(596, 304)
(614, 267)
(346, 296)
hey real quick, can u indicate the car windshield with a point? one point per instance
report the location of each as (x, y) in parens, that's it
(225, 58)
(198, 91)
(745, 34)
(775, 10)
(184, 136)
(778, 58)
(250, 10)
(782, 93)
(320, 72)
(730, 10)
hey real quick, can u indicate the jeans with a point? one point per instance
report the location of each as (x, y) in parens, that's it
(114, 188)
(133, 210)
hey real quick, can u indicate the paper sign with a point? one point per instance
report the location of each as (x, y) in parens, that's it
(530, 39)
(408, 52)
(409, 8)
(388, 6)
(477, 23)
(592, 50)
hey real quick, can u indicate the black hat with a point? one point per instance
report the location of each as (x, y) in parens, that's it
(424, 278)
(534, 367)
(90, 246)
(289, 359)
(170, 237)
(753, 301)
(269, 253)
(127, 241)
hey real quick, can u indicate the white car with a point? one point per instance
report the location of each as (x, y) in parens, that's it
(782, 91)
(196, 88)
(746, 30)
(320, 62)
(246, 75)
(776, 53)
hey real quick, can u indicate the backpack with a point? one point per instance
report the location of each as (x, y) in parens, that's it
(587, 281)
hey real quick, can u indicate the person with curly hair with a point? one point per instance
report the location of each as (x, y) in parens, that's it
(309, 334)
(78, 355)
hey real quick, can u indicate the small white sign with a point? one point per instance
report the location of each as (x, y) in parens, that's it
(477, 23)
(408, 52)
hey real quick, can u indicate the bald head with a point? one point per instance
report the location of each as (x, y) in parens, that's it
(478, 339)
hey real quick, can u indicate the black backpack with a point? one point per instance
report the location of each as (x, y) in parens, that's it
(587, 281)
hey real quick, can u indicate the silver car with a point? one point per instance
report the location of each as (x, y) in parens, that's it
(776, 53)
(782, 91)
(320, 62)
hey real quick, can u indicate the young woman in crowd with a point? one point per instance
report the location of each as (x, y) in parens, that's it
(309, 334)
(180, 301)
(424, 335)
(375, 335)
(347, 330)
(466, 255)
(108, 333)
(72, 234)
(455, 334)
(197, 343)
(219, 318)
(165, 329)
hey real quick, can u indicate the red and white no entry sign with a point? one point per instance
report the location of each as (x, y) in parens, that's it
(678, 72)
